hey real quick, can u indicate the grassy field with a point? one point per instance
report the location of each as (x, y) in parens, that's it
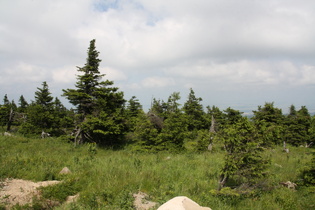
(106, 179)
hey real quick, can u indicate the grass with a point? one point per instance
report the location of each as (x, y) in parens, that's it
(107, 179)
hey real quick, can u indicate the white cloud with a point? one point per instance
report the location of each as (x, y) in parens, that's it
(248, 72)
(157, 82)
(65, 74)
(161, 44)
(113, 74)
(22, 73)
(307, 75)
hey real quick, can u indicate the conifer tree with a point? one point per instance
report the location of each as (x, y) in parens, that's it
(216, 114)
(4, 110)
(270, 123)
(39, 114)
(132, 113)
(7, 112)
(297, 126)
(243, 160)
(97, 103)
(22, 104)
(194, 112)
(134, 107)
(43, 96)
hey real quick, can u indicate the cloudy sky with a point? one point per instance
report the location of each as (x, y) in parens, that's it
(233, 53)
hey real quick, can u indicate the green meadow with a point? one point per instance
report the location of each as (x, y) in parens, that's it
(107, 179)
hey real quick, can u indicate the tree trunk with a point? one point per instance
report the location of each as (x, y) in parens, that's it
(78, 136)
(10, 120)
(222, 181)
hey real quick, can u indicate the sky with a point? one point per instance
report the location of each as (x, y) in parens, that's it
(232, 53)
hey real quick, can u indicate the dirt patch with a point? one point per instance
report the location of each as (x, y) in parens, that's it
(22, 192)
(141, 202)
(18, 191)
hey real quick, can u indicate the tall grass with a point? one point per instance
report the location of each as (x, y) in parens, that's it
(106, 179)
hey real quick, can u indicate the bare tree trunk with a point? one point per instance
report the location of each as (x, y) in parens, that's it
(10, 120)
(78, 137)
(222, 181)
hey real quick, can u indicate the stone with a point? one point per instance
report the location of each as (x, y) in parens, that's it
(7, 134)
(72, 198)
(182, 203)
(65, 170)
(289, 185)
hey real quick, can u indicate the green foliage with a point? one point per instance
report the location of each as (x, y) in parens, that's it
(298, 124)
(173, 133)
(312, 131)
(108, 180)
(218, 116)
(59, 192)
(198, 141)
(134, 108)
(39, 118)
(98, 105)
(132, 112)
(270, 124)
(7, 113)
(232, 116)
(308, 173)
(194, 111)
(227, 195)
(44, 114)
(243, 161)
(23, 104)
(43, 97)
(106, 130)
(145, 135)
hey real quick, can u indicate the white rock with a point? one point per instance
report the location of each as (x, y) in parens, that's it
(182, 203)
(65, 170)
(7, 134)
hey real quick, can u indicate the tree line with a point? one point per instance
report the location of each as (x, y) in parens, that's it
(101, 115)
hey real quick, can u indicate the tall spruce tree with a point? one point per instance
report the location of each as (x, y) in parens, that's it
(97, 103)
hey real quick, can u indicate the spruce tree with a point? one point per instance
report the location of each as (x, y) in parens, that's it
(22, 104)
(244, 162)
(39, 114)
(134, 107)
(194, 112)
(43, 96)
(270, 123)
(97, 103)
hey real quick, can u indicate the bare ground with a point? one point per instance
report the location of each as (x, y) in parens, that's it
(18, 191)
(22, 192)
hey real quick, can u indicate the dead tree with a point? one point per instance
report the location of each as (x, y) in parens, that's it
(10, 120)
(45, 135)
(308, 145)
(212, 127)
(285, 149)
(211, 131)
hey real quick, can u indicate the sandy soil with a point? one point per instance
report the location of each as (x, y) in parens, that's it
(141, 202)
(18, 191)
